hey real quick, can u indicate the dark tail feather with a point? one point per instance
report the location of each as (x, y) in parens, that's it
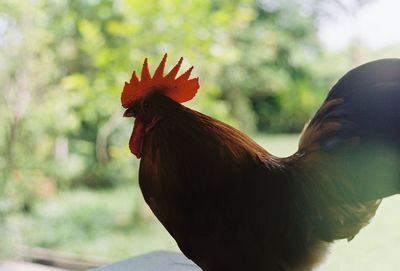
(358, 126)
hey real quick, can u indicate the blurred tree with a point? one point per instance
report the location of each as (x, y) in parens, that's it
(60, 102)
(26, 71)
(269, 83)
(98, 43)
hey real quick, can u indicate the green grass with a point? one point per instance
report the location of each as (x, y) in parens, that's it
(376, 247)
(279, 145)
(116, 224)
(112, 224)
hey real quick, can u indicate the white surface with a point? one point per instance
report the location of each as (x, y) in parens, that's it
(154, 261)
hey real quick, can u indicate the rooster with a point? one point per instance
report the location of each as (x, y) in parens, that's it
(231, 205)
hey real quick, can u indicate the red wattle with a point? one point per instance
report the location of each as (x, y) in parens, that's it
(137, 137)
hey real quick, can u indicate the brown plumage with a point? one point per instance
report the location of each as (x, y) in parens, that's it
(231, 205)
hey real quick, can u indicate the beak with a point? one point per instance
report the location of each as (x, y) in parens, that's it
(129, 113)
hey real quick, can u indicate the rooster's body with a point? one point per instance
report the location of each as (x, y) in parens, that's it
(231, 205)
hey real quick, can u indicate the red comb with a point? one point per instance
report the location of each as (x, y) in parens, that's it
(181, 89)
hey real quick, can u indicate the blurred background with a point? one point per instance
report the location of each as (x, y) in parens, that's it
(68, 183)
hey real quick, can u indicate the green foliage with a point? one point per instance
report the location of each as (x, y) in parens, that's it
(269, 82)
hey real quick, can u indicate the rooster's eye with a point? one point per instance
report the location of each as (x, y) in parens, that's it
(146, 105)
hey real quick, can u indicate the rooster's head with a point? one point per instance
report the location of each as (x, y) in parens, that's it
(144, 99)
